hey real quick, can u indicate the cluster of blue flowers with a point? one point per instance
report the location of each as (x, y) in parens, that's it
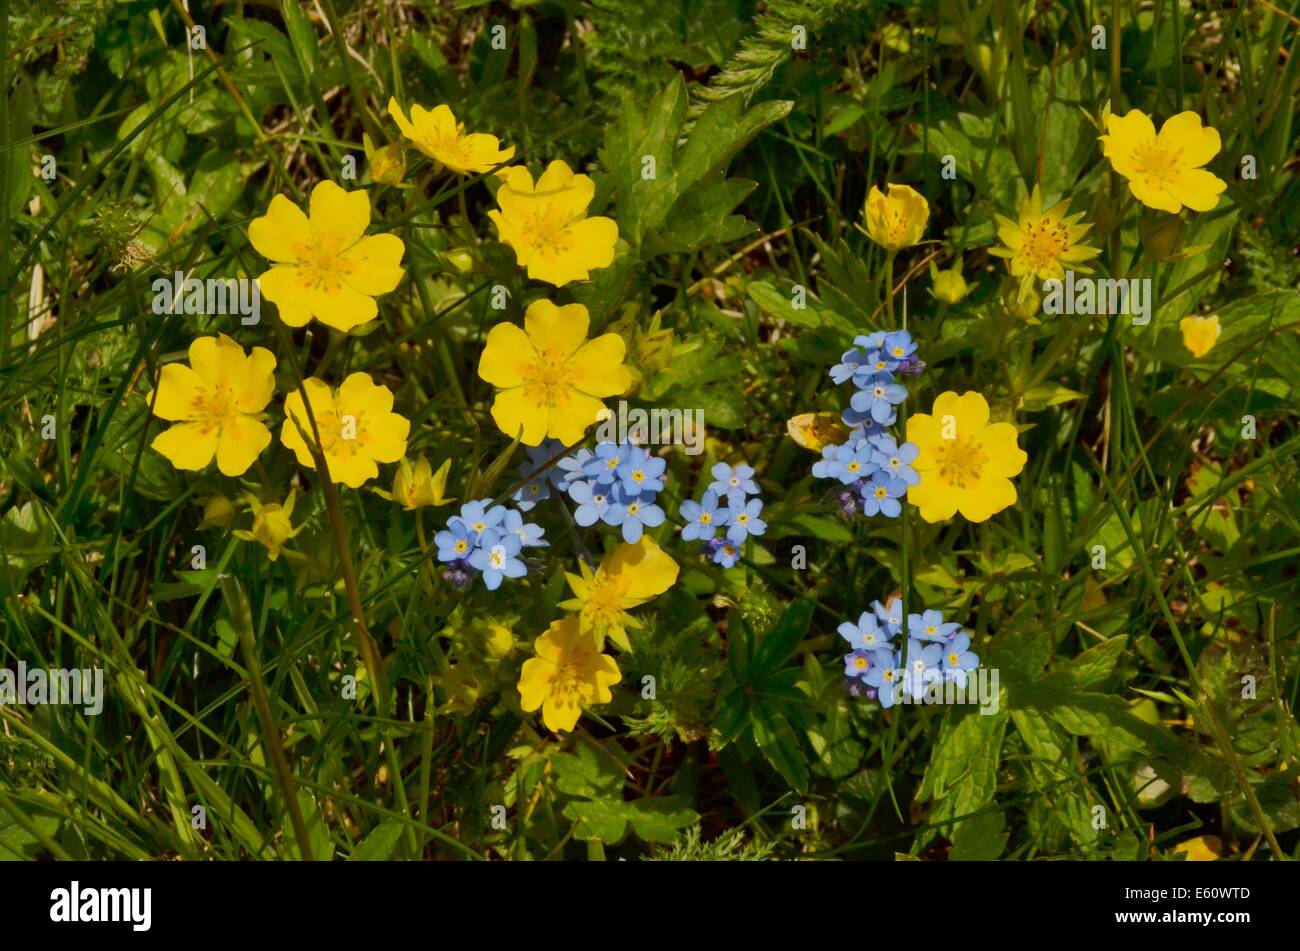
(875, 668)
(617, 484)
(741, 517)
(486, 539)
(876, 470)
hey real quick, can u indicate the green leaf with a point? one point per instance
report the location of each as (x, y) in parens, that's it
(779, 744)
(980, 838)
(659, 820)
(777, 646)
(379, 845)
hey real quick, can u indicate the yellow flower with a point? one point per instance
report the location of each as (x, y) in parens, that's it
(1164, 171)
(417, 486)
(272, 525)
(387, 163)
(949, 286)
(324, 267)
(568, 673)
(550, 374)
(964, 461)
(1200, 334)
(628, 577)
(218, 400)
(1041, 242)
(547, 224)
(438, 135)
(898, 221)
(357, 427)
(217, 512)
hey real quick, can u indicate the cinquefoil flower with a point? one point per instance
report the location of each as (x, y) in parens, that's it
(629, 576)
(438, 135)
(547, 227)
(551, 378)
(964, 461)
(1164, 170)
(897, 221)
(568, 673)
(324, 266)
(357, 427)
(217, 402)
(272, 525)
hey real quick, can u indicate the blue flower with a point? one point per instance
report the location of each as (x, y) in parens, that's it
(532, 491)
(849, 364)
(727, 480)
(742, 518)
(921, 668)
(889, 615)
(635, 511)
(478, 518)
(864, 424)
(570, 468)
(898, 345)
(603, 466)
(703, 518)
(528, 533)
(822, 469)
(877, 361)
(455, 542)
(878, 396)
(872, 341)
(957, 658)
(593, 501)
(895, 459)
(881, 494)
(642, 472)
(539, 456)
(857, 663)
(857, 463)
(929, 626)
(868, 634)
(723, 552)
(497, 558)
(885, 675)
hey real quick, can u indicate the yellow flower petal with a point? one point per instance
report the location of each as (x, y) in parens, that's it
(241, 442)
(339, 214)
(189, 446)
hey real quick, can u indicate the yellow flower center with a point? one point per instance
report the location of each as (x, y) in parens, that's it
(1044, 241)
(1156, 165)
(498, 557)
(550, 372)
(853, 466)
(860, 662)
(638, 476)
(952, 659)
(706, 518)
(479, 526)
(634, 508)
(215, 407)
(880, 492)
(461, 545)
(961, 460)
(547, 230)
(930, 629)
(322, 264)
(889, 675)
(742, 519)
